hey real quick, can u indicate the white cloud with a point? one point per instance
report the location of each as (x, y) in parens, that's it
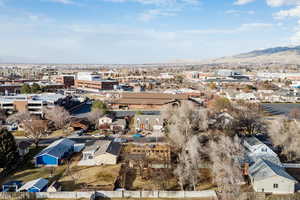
(293, 12)
(243, 2)
(239, 12)
(154, 13)
(277, 3)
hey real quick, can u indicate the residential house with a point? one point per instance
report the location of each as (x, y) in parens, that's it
(269, 177)
(148, 122)
(102, 152)
(256, 149)
(55, 153)
(38, 185)
(110, 122)
(106, 119)
(118, 125)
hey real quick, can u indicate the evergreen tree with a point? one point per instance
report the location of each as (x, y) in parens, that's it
(35, 88)
(99, 106)
(8, 149)
(25, 89)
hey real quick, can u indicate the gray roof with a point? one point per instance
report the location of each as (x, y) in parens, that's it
(114, 148)
(37, 183)
(252, 141)
(120, 122)
(256, 157)
(104, 146)
(58, 148)
(263, 169)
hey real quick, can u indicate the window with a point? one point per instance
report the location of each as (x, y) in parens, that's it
(275, 185)
(264, 149)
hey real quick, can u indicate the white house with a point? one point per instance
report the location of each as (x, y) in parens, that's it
(268, 177)
(105, 120)
(102, 152)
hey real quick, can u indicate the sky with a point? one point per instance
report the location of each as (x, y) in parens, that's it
(142, 31)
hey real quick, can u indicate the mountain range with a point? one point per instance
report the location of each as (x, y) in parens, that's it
(280, 55)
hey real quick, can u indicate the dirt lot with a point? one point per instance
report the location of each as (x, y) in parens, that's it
(94, 177)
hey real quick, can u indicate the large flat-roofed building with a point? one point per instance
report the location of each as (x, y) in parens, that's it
(145, 100)
(33, 103)
(96, 85)
(88, 76)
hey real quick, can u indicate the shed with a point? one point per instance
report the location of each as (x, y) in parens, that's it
(55, 152)
(37, 185)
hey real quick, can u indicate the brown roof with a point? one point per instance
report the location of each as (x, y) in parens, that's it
(145, 98)
(143, 101)
(146, 95)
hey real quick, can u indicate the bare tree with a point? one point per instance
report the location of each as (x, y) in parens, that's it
(294, 113)
(186, 125)
(184, 122)
(285, 134)
(248, 118)
(3, 115)
(220, 104)
(58, 116)
(94, 116)
(227, 173)
(18, 117)
(35, 129)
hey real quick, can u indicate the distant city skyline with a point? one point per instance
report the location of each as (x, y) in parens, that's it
(142, 31)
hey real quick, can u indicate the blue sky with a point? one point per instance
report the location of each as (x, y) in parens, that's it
(142, 31)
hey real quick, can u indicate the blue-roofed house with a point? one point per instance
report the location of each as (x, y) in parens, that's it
(55, 152)
(11, 186)
(37, 185)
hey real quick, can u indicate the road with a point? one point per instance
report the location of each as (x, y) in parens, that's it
(85, 139)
